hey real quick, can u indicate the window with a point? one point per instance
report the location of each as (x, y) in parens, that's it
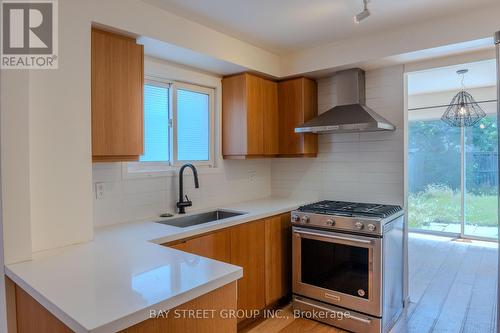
(156, 122)
(178, 126)
(192, 124)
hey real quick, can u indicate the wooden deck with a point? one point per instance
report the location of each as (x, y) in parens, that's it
(452, 290)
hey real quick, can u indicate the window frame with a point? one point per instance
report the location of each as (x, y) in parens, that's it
(211, 123)
(140, 169)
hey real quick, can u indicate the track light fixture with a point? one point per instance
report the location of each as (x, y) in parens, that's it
(364, 14)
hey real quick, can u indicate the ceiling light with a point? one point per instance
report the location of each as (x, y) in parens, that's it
(364, 14)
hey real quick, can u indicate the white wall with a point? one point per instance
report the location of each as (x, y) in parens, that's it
(3, 303)
(128, 199)
(59, 132)
(15, 169)
(364, 167)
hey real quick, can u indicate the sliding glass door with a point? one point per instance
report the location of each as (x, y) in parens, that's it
(434, 156)
(481, 179)
(453, 177)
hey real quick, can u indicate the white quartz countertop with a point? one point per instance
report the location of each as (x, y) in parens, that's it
(114, 281)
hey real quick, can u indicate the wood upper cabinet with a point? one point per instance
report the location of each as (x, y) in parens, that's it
(117, 97)
(215, 245)
(297, 103)
(278, 259)
(247, 251)
(249, 116)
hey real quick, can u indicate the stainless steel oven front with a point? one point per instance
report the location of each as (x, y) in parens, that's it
(339, 269)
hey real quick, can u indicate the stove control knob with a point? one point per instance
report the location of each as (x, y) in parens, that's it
(304, 219)
(295, 218)
(371, 227)
(359, 225)
(330, 222)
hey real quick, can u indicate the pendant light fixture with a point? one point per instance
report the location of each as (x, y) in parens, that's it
(463, 110)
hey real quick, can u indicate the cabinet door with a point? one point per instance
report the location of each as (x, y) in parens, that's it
(297, 101)
(270, 117)
(290, 104)
(234, 116)
(117, 97)
(215, 246)
(278, 257)
(247, 251)
(255, 115)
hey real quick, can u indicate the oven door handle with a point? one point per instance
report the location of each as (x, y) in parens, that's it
(356, 318)
(317, 234)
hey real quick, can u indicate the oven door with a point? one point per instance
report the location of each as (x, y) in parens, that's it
(340, 269)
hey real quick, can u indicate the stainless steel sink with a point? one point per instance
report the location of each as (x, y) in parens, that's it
(195, 219)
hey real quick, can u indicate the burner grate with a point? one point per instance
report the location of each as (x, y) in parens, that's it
(343, 208)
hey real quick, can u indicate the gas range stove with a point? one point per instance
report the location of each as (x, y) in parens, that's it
(349, 256)
(365, 218)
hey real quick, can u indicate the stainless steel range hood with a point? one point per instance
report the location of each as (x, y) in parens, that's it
(351, 114)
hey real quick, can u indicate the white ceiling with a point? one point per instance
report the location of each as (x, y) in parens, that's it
(282, 26)
(481, 74)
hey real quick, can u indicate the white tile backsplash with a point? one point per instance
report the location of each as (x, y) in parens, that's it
(127, 200)
(366, 167)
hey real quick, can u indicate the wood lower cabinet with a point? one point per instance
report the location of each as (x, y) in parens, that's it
(26, 315)
(297, 103)
(220, 300)
(278, 257)
(249, 117)
(117, 97)
(216, 245)
(263, 248)
(247, 251)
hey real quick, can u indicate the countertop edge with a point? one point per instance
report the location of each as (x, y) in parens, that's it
(142, 315)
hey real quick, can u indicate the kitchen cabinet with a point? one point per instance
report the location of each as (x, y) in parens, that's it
(215, 245)
(247, 251)
(117, 78)
(249, 116)
(278, 258)
(259, 117)
(262, 248)
(297, 103)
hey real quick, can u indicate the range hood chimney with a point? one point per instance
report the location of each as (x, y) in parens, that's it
(350, 114)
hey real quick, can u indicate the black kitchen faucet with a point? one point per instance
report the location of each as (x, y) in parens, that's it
(182, 204)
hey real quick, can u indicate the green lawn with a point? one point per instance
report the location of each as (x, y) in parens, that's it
(441, 205)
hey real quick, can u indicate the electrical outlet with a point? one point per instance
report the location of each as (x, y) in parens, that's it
(99, 191)
(252, 175)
